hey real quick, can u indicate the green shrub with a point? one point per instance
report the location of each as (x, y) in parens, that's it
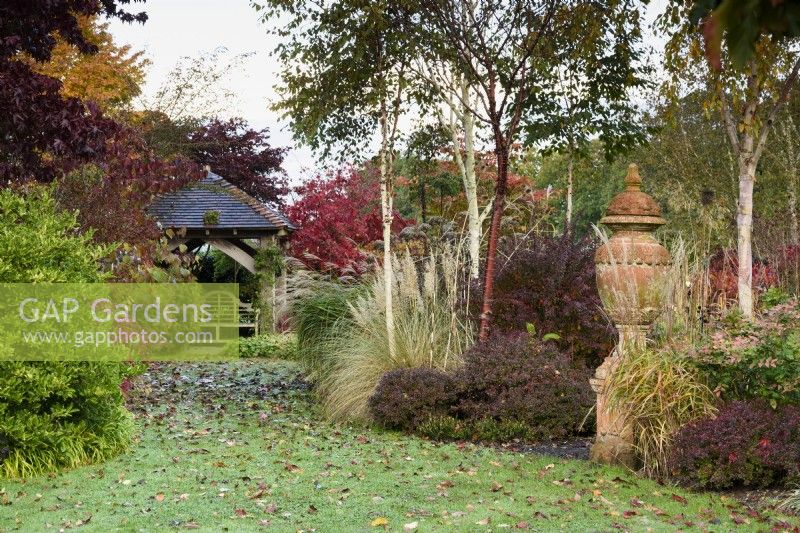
(60, 415)
(269, 345)
(660, 392)
(54, 414)
(444, 427)
(320, 313)
(491, 430)
(772, 297)
(760, 359)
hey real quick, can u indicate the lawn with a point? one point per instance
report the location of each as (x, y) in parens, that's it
(239, 446)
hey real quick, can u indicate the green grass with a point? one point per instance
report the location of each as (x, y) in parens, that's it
(241, 446)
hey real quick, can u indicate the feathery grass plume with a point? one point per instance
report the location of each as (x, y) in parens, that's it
(659, 392)
(430, 330)
(317, 308)
(790, 503)
(686, 295)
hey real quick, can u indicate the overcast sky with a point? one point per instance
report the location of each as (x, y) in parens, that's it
(178, 28)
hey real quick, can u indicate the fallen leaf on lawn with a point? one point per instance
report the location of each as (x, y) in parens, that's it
(411, 526)
(484, 522)
(183, 497)
(240, 512)
(738, 519)
(548, 467)
(629, 514)
(271, 508)
(83, 522)
(312, 509)
(446, 484)
(264, 523)
(191, 525)
(636, 502)
(522, 525)
(160, 497)
(496, 487)
(381, 521)
(679, 499)
(292, 468)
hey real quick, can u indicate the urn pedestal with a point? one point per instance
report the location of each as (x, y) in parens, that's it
(631, 268)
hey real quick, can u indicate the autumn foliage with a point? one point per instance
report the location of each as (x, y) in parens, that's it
(103, 168)
(242, 155)
(338, 216)
(110, 77)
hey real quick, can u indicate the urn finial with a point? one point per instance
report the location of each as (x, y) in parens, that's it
(633, 180)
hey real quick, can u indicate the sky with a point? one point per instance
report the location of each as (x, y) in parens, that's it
(178, 28)
(189, 28)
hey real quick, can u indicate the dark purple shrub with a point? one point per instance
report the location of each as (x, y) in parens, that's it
(748, 444)
(511, 379)
(407, 397)
(550, 282)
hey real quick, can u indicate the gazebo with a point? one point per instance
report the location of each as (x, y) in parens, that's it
(213, 211)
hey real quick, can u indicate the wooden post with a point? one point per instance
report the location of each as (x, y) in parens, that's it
(266, 296)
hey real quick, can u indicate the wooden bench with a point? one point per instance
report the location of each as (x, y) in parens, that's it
(248, 316)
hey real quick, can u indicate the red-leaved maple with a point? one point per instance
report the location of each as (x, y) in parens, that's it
(338, 216)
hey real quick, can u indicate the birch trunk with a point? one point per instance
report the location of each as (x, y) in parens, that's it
(387, 216)
(471, 189)
(466, 166)
(744, 225)
(570, 168)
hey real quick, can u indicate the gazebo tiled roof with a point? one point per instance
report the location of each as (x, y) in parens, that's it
(238, 211)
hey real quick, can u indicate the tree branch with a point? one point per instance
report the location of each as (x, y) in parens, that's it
(727, 118)
(782, 98)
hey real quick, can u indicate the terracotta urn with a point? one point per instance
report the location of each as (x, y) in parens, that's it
(631, 270)
(631, 265)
